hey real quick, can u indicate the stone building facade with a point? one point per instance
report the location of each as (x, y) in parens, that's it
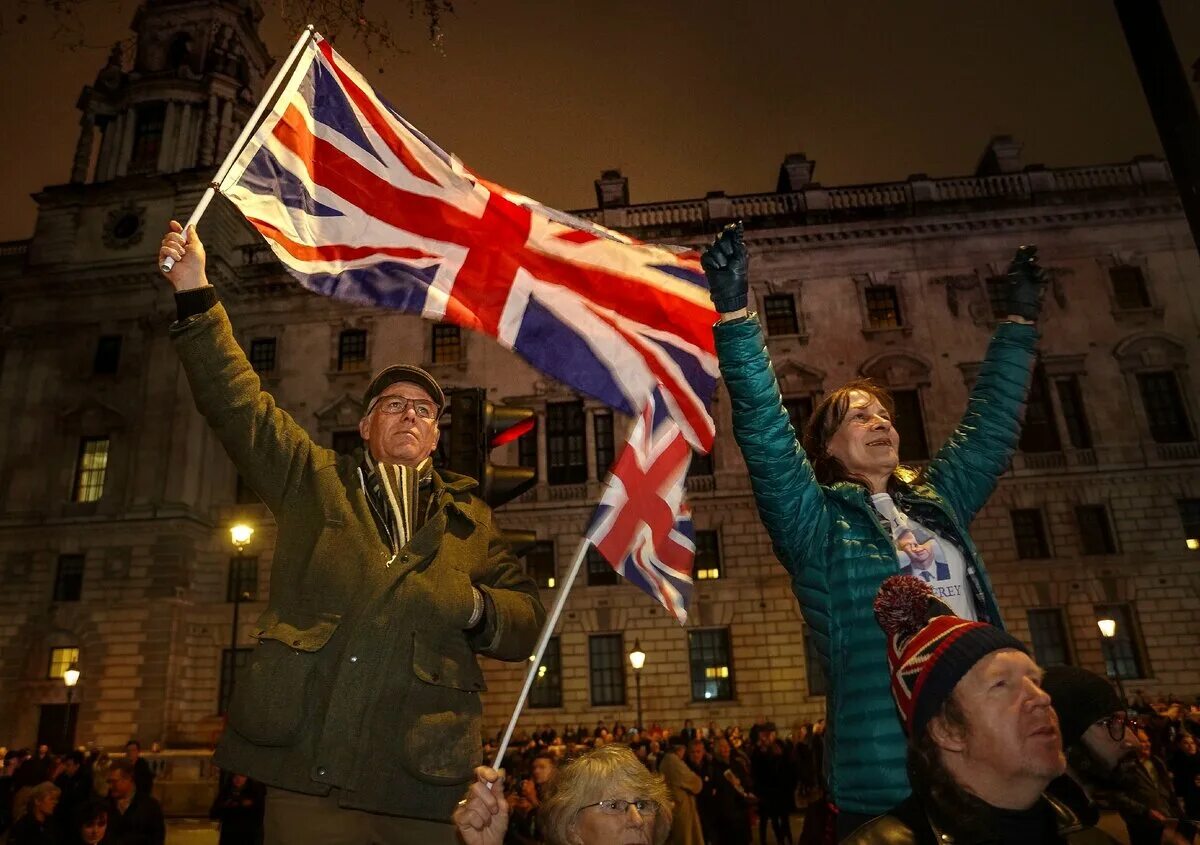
(115, 499)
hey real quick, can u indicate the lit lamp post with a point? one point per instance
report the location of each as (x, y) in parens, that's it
(637, 659)
(240, 534)
(1108, 632)
(70, 678)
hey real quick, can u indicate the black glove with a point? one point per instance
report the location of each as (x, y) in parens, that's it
(1026, 283)
(725, 264)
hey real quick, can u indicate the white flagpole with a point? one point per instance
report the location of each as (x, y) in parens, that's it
(547, 631)
(247, 131)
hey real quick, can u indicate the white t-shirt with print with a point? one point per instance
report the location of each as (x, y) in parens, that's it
(931, 558)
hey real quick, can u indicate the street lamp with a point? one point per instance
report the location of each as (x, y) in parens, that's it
(240, 535)
(1108, 633)
(637, 659)
(70, 678)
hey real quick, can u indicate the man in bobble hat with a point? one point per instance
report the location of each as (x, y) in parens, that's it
(983, 739)
(360, 705)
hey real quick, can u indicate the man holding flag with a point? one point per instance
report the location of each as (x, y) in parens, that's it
(360, 706)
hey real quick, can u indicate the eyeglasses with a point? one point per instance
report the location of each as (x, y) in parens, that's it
(620, 806)
(423, 408)
(1118, 724)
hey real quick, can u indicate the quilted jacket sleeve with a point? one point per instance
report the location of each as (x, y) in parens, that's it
(790, 502)
(965, 470)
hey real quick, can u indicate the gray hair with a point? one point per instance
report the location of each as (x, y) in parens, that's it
(612, 771)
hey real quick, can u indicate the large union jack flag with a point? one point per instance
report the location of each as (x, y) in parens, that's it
(359, 205)
(642, 525)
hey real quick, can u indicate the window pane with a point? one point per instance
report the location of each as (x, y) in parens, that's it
(90, 469)
(1129, 287)
(540, 564)
(147, 137)
(527, 448)
(547, 684)
(262, 355)
(910, 426)
(1070, 397)
(60, 660)
(565, 441)
(711, 665)
(1040, 432)
(799, 409)
(599, 571)
(1030, 534)
(708, 556)
(780, 313)
(242, 578)
(1189, 515)
(1095, 532)
(346, 442)
(606, 668)
(352, 349)
(233, 667)
(1123, 652)
(68, 579)
(108, 355)
(1048, 634)
(1164, 408)
(602, 430)
(813, 671)
(883, 307)
(447, 343)
(700, 465)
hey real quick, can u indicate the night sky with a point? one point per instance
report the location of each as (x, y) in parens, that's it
(684, 96)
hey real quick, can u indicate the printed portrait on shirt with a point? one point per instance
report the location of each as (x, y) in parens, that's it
(920, 554)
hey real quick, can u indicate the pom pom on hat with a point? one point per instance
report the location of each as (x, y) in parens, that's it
(902, 606)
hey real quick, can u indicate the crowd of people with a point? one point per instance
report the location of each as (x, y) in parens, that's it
(94, 799)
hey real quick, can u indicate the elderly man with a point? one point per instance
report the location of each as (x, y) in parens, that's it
(984, 741)
(360, 707)
(685, 785)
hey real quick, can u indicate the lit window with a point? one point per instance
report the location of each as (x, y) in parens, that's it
(61, 660)
(708, 556)
(90, 469)
(711, 665)
(883, 307)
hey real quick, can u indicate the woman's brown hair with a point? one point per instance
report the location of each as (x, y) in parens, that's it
(827, 418)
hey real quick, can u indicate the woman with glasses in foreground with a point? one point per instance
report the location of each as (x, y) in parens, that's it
(603, 797)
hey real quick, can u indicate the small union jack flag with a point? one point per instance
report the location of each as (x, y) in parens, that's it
(642, 526)
(358, 204)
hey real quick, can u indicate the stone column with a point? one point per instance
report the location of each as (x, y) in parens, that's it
(170, 139)
(83, 149)
(227, 129)
(110, 145)
(208, 133)
(128, 124)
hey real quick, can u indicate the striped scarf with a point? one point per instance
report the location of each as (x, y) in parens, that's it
(397, 489)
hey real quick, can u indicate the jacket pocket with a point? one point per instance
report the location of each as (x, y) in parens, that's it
(271, 699)
(440, 737)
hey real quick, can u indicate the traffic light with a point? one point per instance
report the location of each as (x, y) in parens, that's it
(476, 427)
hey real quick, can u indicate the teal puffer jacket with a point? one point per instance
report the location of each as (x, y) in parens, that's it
(833, 544)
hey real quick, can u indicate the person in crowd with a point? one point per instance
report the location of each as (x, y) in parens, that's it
(526, 802)
(1099, 737)
(732, 795)
(36, 824)
(984, 742)
(134, 817)
(1155, 791)
(689, 730)
(775, 785)
(143, 775)
(360, 708)
(601, 797)
(699, 761)
(1185, 768)
(835, 507)
(90, 823)
(12, 759)
(75, 782)
(238, 808)
(685, 785)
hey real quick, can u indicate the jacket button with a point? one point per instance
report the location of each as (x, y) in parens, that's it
(320, 771)
(354, 658)
(404, 558)
(435, 677)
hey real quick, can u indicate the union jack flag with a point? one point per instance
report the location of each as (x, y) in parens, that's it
(642, 526)
(359, 205)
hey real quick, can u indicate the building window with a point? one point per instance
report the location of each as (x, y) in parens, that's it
(780, 312)
(242, 579)
(1189, 515)
(799, 409)
(1039, 432)
(712, 664)
(262, 355)
(540, 564)
(346, 442)
(997, 290)
(1030, 534)
(600, 572)
(68, 578)
(813, 671)
(700, 466)
(233, 662)
(61, 660)
(602, 431)
(708, 556)
(1122, 653)
(447, 343)
(527, 448)
(565, 423)
(1164, 408)
(547, 684)
(352, 350)
(910, 425)
(147, 137)
(1048, 635)
(90, 469)
(1070, 398)
(108, 355)
(1095, 530)
(606, 668)
(1129, 287)
(883, 307)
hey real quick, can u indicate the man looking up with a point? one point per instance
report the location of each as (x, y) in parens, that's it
(360, 706)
